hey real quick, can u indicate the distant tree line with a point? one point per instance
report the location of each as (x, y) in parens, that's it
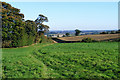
(77, 32)
(17, 32)
(110, 32)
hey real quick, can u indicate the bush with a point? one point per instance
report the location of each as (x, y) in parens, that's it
(44, 39)
(88, 40)
(6, 44)
(104, 33)
(63, 36)
(116, 40)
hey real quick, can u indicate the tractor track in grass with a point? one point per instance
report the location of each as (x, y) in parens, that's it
(44, 67)
(38, 61)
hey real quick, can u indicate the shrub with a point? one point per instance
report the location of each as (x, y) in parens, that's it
(116, 40)
(63, 36)
(67, 34)
(44, 39)
(88, 40)
(112, 32)
(104, 33)
(6, 44)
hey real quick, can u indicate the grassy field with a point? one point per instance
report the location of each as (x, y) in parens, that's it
(62, 60)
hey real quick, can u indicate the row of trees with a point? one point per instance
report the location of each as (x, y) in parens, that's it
(110, 32)
(77, 32)
(16, 31)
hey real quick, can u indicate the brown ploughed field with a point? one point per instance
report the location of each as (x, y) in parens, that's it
(98, 37)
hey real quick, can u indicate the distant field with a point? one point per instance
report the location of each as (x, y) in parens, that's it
(98, 37)
(62, 60)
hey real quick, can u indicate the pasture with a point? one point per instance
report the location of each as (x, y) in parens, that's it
(62, 60)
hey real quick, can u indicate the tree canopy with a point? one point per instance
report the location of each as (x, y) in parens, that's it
(77, 32)
(16, 31)
(67, 34)
(39, 21)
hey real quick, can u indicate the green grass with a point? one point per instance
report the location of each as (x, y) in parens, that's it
(62, 60)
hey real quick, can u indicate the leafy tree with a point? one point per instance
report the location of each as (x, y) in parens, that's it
(39, 21)
(16, 31)
(58, 35)
(12, 25)
(77, 32)
(30, 30)
(118, 31)
(112, 32)
(67, 34)
(45, 27)
(63, 36)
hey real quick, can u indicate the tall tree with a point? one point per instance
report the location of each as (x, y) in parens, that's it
(39, 21)
(77, 32)
(16, 31)
(12, 25)
(30, 30)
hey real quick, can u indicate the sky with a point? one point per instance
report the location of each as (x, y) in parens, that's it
(73, 15)
(61, 0)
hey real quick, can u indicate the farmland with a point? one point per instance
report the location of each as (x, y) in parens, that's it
(98, 37)
(62, 60)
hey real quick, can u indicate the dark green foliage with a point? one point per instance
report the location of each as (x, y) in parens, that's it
(116, 40)
(30, 30)
(39, 21)
(63, 36)
(104, 33)
(58, 35)
(117, 31)
(15, 31)
(12, 26)
(23, 40)
(112, 32)
(77, 32)
(44, 39)
(88, 40)
(67, 34)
